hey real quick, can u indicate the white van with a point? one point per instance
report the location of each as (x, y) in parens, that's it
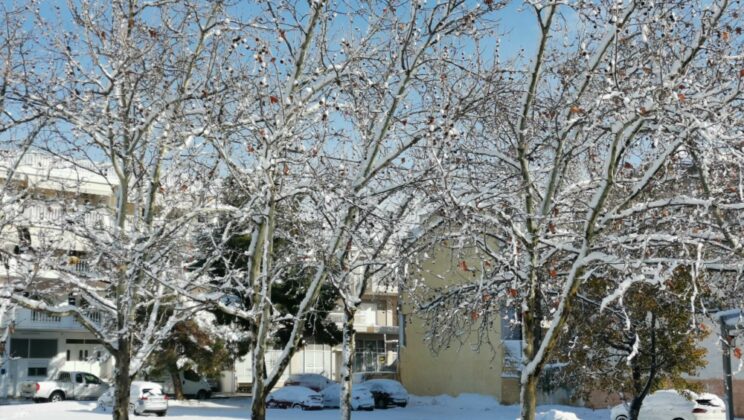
(193, 385)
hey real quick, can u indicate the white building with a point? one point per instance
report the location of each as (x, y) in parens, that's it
(40, 344)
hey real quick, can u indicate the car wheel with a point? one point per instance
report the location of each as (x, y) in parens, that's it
(202, 395)
(621, 417)
(161, 413)
(296, 405)
(57, 397)
(131, 406)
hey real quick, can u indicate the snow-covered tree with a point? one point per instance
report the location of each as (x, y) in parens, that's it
(595, 160)
(644, 341)
(19, 127)
(341, 102)
(130, 89)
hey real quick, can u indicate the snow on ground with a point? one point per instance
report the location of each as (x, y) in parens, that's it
(466, 406)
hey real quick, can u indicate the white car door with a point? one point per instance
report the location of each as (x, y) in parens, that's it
(80, 389)
(95, 387)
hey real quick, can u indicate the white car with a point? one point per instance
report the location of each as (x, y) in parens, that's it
(361, 397)
(65, 386)
(387, 392)
(295, 397)
(673, 405)
(144, 397)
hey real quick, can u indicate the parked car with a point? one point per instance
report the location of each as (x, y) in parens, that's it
(65, 386)
(295, 397)
(144, 397)
(387, 392)
(359, 377)
(361, 397)
(670, 404)
(193, 385)
(314, 381)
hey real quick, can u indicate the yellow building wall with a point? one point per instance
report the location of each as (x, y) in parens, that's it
(459, 368)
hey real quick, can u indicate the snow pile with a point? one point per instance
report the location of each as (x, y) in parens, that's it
(556, 415)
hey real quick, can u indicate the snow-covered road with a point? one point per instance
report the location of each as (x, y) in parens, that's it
(469, 407)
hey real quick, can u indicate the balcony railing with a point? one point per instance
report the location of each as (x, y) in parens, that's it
(38, 316)
(39, 320)
(49, 215)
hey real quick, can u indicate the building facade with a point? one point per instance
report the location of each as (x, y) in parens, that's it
(488, 369)
(39, 344)
(376, 346)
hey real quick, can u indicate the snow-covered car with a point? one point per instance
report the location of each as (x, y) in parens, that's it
(295, 397)
(65, 386)
(144, 397)
(670, 404)
(314, 381)
(387, 392)
(361, 397)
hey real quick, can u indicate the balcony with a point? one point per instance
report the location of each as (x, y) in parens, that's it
(27, 319)
(369, 319)
(51, 216)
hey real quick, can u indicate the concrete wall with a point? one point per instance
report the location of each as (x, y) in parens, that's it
(460, 368)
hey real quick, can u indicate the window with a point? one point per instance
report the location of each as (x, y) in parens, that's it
(365, 315)
(42, 349)
(381, 313)
(190, 375)
(91, 379)
(24, 241)
(19, 347)
(79, 378)
(68, 355)
(33, 348)
(314, 362)
(83, 355)
(81, 341)
(37, 371)
(370, 355)
(511, 324)
(64, 377)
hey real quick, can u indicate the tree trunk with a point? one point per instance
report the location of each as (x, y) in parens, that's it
(528, 397)
(642, 390)
(347, 363)
(532, 337)
(635, 408)
(258, 401)
(122, 379)
(177, 384)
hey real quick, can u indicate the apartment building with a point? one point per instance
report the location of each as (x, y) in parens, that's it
(486, 365)
(376, 346)
(40, 344)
